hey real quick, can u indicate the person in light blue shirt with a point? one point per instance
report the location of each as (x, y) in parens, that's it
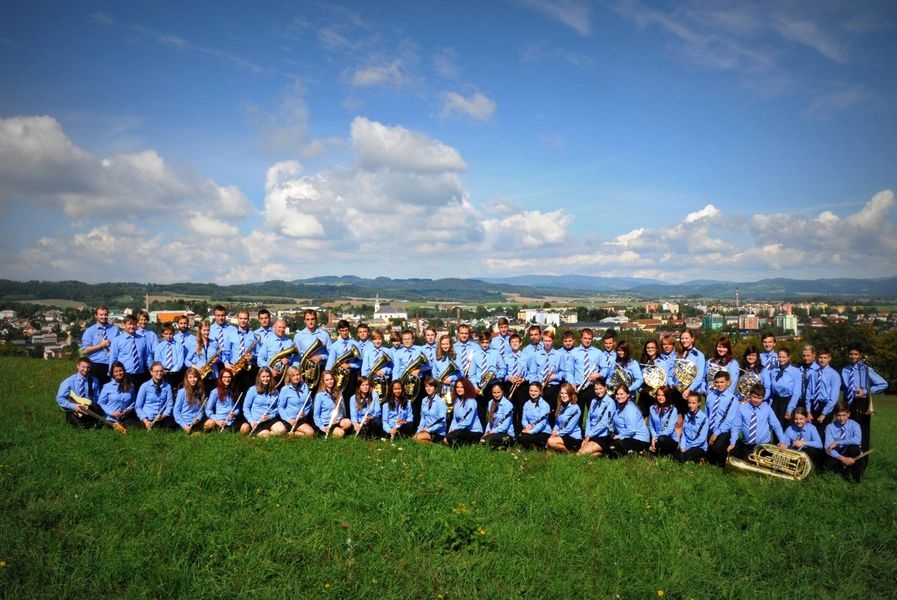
(809, 385)
(433, 414)
(500, 420)
(803, 437)
(586, 368)
(757, 424)
(294, 406)
(397, 413)
(501, 343)
(785, 379)
(608, 354)
(598, 435)
(278, 344)
(650, 358)
(260, 406)
(631, 434)
(515, 380)
(566, 367)
(240, 351)
(545, 367)
(722, 416)
(842, 445)
(347, 351)
(769, 358)
(95, 344)
(365, 410)
(429, 348)
(466, 350)
(222, 409)
(753, 368)
(631, 367)
(205, 355)
(662, 419)
(722, 359)
(219, 328)
(264, 330)
(536, 428)
(828, 381)
(145, 332)
(488, 367)
(306, 338)
(131, 350)
(183, 336)
(118, 397)
(465, 427)
(190, 402)
(693, 441)
(172, 355)
(155, 401)
(693, 355)
(85, 387)
(378, 356)
(329, 409)
(860, 383)
(566, 435)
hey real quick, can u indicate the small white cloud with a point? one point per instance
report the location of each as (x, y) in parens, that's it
(707, 212)
(381, 146)
(478, 106)
(380, 75)
(572, 13)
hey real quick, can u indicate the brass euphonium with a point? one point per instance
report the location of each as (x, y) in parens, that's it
(341, 368)
(445, 391)
(768, 459)
(410, 382)
(379, 381)
(276, 364)
(311, 371)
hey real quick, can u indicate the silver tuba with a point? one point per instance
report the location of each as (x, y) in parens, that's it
(767, 459)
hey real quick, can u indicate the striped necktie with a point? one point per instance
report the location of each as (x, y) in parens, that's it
(466, 360)
(842, 434)
(242, 344)
(716, 414)
(514, 371)
(220, 338)
(851, 383)
(169, 357)
(135, 358)
(81, 390)
(752, 432)
(545, 367)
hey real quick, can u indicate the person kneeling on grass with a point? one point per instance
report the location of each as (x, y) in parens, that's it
(466, 427)
(118, 398)
(632, 434)
(693, 441)
(77, 396)
(190, 401)
(500, 426)
(535, 429)
(842, 444)
(155, 401)
(567, 433)
(433, 411)
(329, 409)
(397, 413)
(260, 405)
(598, 423)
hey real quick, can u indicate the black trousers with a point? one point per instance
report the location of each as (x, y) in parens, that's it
(624, 446)
(462, 437)
(533, 440)
(666, 446)
(692, 455)
(851, 473)
(717, 454)
(100, 371)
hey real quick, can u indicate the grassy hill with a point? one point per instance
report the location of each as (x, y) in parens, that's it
(97, 514)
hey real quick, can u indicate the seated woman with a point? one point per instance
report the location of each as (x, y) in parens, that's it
(567, 433)
(466, 427)
(397, 414)
(662, 419)
(118, 396)
(500, 427)
(601, 413)
(329, 411)
(294, 404)
(364, 410)
(260, 405)
(632, 434)
(190, 402)
(222, 411)
(535, 428)
(803, 437)
(431, 429)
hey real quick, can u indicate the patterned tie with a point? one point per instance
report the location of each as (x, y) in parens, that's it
(842, 435)
(483, 362)
(851, 384)
(803, 384)
(169, 357)
(800, 436)
(716, 414)
(135, 358)
(586, 366)
(516, 364)
(242, 345)
(752, 432)
(545, 367)
(466, 361)
(817, 389)
(220, 338)
(81, 390)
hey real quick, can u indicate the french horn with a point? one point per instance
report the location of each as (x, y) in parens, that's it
(655, 377)
(685, 372)
(712, 369)
(747, 380)
(619, 377)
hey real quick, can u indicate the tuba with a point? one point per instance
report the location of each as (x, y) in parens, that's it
(712, 369)
(411, 383)
(767, 459)
(379, 381)
(341, 369)
(655, 377)
(747, 380)
(276, 365)
(311, 371)
(685, 372)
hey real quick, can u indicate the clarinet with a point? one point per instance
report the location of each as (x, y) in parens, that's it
(301, 411)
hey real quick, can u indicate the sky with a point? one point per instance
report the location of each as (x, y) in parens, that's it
(233, 142)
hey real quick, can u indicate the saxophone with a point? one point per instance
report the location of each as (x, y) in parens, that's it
(243, 362)
(207, 368)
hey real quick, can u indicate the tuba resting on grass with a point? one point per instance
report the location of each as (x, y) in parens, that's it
(768, 459)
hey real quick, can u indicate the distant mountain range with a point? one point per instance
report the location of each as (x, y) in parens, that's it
(487, 289)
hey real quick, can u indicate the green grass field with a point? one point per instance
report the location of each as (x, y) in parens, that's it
(94, 514)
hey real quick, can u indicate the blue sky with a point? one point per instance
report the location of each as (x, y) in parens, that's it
(229, 142)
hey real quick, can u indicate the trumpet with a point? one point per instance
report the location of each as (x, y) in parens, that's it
(585, 380)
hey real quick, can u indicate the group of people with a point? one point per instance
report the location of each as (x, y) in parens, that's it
(672, 400)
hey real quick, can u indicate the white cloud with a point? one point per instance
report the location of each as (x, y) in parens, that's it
(572, 13)
(380, 75)
(478, 106)
(380, 146)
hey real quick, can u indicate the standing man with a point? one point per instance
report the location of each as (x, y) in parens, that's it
(95, 343)
(502, 342)
(171, 355)
(145, 332)
(276, 343)
(219, 327)
(350, 367)
(785, 381)
(828, 389)
(769, 358)
(183, 336)
(429, 349)
(544, 369)
(609, 354)
(586, 368)
(239, 342)
(306, 337)
(809, 375)
(466, 350)
(131, 350)
(860, 382)
(535, 342)
(264, 329)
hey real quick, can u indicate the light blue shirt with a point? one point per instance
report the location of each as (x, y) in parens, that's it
(218, 408)
(86, 387)
(432, 415)
(393, 413)
(257, 405)
(847, 435)
(629, 423)
(112, 399)
(663, 423)
(369, 408)
(465, 416)
(807, 433)
(123, 349)
(767, 424)
(601, 414)
(323, 408)
(694, 431)
(566, 422)
(536, 414)
(170, 354)
(95, 334)
(154, 400)
(502, 419)
(186, 414)
(293, 400)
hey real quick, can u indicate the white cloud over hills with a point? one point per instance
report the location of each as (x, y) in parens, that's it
(398, 206)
